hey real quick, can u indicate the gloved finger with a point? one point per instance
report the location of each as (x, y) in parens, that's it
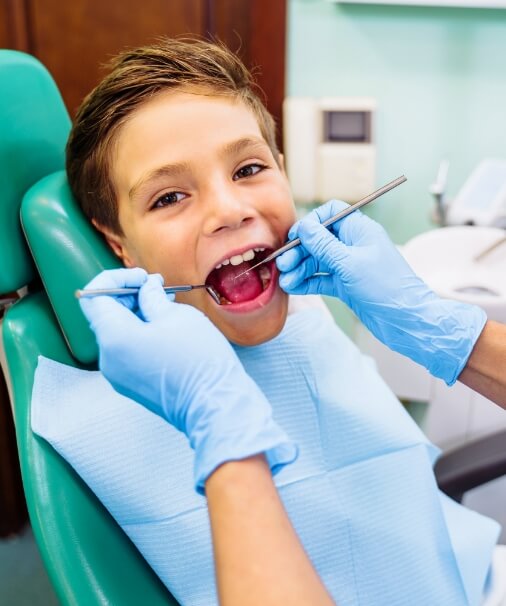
(288, 260)
(328, 210)
(291, 258)
(320, 214)
(352, 229)
(357, 228)
(292, 232)
(315, 285)
(119, 278)
(323, 245)
(153, 301)
(107, 315)
(290, 280)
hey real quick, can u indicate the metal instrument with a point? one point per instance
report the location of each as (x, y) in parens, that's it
(212, 292)
(132, 291)
(340, 215)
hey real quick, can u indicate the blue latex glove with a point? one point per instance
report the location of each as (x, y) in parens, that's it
(369, 274)
(173, 360)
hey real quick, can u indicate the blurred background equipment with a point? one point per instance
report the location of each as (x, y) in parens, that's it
(330, 148)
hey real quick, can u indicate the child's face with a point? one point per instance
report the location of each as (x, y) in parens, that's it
(197, 185)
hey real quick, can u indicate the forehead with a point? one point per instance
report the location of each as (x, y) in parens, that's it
(195, 116)
(180, 127)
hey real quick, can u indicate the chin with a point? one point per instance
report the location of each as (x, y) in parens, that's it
(252, 307)
(255, 327)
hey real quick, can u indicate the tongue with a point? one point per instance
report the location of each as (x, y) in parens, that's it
(236, 290)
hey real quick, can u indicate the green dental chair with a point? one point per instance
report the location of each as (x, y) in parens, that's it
(89, 559)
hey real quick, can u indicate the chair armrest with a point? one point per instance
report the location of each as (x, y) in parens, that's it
(471, 465)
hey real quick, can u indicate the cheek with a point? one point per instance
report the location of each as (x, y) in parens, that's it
(160, 248)
(291, 215)
(285, 205)
(284, 215)
(275, 199)
(196, 298)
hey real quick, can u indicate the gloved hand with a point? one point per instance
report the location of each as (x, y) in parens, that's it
(173, 360)
(369, 274)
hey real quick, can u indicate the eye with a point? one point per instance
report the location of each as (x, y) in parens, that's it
(248, 171)
(169, 199)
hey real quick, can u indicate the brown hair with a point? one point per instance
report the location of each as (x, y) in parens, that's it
(135, 76)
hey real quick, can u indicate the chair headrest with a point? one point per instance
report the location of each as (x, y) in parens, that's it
(68, 253)
(34, 127)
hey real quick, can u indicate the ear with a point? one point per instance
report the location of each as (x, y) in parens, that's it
(117, 244)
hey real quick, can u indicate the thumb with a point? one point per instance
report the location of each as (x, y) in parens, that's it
(322, 244)
(153, 301)
(106, 316)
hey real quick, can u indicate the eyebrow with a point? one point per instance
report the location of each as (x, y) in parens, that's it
(171, 170)
(236, 147)
(175, 170)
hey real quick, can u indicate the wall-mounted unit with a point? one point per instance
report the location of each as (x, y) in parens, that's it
(329, 145)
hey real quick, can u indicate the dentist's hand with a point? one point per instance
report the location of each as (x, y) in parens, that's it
(173, 360)
(369, 274)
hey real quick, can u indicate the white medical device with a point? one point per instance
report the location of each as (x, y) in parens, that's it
(482, 199)
(329, 147)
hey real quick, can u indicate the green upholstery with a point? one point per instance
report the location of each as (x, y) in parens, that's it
(34, 127)
(89, 559)
(68, 252)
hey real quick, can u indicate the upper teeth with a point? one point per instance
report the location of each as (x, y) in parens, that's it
(247, 255)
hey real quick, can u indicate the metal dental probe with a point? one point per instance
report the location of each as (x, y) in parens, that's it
(291, 244)
(340, 215)
(132, 291)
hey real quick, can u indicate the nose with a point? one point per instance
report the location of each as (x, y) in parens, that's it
(226, 208)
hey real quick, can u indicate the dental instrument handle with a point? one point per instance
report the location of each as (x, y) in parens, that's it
(90, 292)
(132, 291)
(376, 194)
(340, 215)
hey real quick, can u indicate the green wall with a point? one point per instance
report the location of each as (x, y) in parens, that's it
(438, 75)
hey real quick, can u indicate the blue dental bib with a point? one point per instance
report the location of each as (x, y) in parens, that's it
(361, 495)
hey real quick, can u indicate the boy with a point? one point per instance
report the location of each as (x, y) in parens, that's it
(187, 204)
(173, 159)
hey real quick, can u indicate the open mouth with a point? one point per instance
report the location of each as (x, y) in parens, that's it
(232, 287)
